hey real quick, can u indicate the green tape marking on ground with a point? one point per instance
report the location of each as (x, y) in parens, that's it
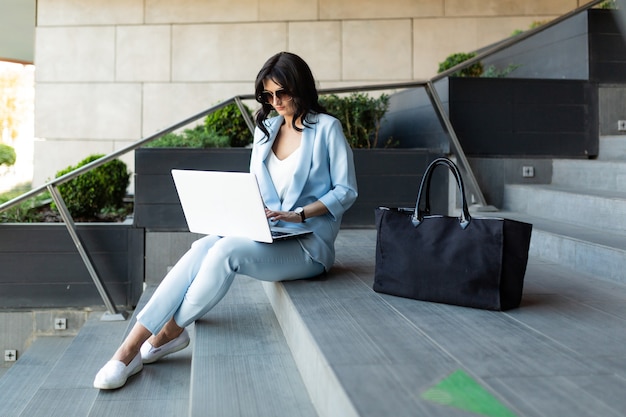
(460, 391)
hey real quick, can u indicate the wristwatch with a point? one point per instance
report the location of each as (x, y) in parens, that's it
(300, 212)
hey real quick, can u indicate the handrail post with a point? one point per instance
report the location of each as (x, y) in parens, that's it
(113, 314)
(457, 149)
(245, 114)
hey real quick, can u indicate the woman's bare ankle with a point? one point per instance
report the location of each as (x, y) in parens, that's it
(167, 334)
(124, 355)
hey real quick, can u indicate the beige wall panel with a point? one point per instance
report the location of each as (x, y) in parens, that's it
(377, 50)
(508, 7)
(201, 11)
(435, 39)
(491, 30)
(55, 155)
(75, 54)
(224, 52)
(167, 104)
(143, 53)
(88, 111)
(375, 9)
(319, 44)
(89, 12)
(288, 10)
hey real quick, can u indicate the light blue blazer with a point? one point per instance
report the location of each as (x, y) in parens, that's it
(325, 173)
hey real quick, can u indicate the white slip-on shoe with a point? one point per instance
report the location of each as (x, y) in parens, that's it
(115, 373)
(150, 354)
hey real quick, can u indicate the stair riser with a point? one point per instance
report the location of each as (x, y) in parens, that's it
(325, 390)
(590, 175)
(612, 148)
(598, 212)
(585, 257)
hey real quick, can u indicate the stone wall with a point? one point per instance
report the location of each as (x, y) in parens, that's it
(109, 72)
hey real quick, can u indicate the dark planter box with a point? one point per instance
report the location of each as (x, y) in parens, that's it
(502, 117)
(41, 267)
(524, 117)
(385, 177)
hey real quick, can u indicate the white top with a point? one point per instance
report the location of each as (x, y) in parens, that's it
(282, 171)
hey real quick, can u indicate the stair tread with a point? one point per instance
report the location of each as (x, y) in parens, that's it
(583, 192)
(566, 341)
(596, 236)
(242, 364)
(20, 383)
(159, 389)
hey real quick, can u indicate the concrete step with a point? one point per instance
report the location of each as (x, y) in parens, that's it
(160, 389)
(602, 210)
(344, 350)
(55, 375)
(21, 382)
(592, 175)
(583, 248)
(612, 148)
(242, 365)
(366, 354)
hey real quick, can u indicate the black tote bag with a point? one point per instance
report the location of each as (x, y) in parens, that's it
(466, 261)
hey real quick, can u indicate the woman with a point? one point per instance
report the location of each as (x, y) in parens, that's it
(305, 171)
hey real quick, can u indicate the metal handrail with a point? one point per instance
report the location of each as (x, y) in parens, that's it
(428, 85)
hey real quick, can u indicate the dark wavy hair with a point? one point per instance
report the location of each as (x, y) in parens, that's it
(294, 75)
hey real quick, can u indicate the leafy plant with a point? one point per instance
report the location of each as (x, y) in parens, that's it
(474, 70)
(223, 128)
(360, 116)
(533, 25)
(608, 4)
(197, 137)
(28, 211)
(493, 72)
(7, 155)
(96, 191)
(228, 122)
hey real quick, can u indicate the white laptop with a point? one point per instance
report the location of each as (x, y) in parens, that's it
(226, 204)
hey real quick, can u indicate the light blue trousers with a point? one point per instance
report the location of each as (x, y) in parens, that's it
(202, 277)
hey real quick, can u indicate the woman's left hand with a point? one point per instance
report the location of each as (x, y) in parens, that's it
(286, 216)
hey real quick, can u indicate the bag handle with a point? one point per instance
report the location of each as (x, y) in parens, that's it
(418, 215)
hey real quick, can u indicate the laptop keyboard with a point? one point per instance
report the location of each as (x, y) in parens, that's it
(278, 234)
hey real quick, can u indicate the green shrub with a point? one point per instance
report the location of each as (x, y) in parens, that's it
(7, 155)
(474, 70)
(360, 116)
(533, 25)
(493, 72)
(197, 137)
(608, 4)
(229, 122)
(100, 190)
(28, 211)
(223, 128)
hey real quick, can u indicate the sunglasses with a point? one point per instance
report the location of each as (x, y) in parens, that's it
(269, 97)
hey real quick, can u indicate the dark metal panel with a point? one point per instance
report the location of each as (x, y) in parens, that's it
(42, 267)
(161, 217)
(559, 52)
(151, 188)
(54, 238)
(412, 122)
(517, 117)
(53, 295)
(218, 159)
